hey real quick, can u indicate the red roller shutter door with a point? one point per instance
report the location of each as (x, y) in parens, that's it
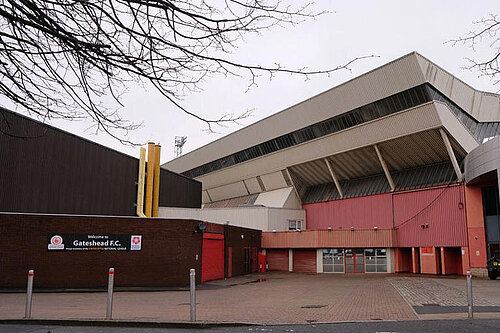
(277, 260)
(212, 265)
(304, 260)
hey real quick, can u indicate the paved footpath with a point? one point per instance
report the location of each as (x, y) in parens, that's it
(442, 326)
(281, 298)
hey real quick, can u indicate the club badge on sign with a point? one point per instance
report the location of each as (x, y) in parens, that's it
(56, 243)
(135, 242)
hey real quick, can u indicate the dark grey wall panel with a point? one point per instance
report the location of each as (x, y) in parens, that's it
(179, 191)
(47, 170)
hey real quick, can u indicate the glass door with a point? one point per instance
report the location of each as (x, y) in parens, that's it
(354, 261)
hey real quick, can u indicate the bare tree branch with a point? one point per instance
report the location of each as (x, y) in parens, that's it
(60, 58)
(487, 32)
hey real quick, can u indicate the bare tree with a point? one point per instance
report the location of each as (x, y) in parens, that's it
(60, 58)
(487, 32)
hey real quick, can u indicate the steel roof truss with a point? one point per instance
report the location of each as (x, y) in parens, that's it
(386, 169)
(451, 154)
(335, 179)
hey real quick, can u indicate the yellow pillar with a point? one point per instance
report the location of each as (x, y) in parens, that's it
(156, 181)
(150, 179)
(140, 183)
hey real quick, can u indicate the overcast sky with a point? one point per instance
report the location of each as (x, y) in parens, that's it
(389, 29)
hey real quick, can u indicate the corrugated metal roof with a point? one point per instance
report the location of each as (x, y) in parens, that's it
(428, 175)
(234, 202)
(408, 152)
(315, 172)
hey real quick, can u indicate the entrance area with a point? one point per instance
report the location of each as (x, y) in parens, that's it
(355, 260)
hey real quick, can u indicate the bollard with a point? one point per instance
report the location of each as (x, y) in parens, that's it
(192, 293)
(29, 293)
(109, 309)
(470, 302)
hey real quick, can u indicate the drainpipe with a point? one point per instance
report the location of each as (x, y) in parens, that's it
(149, 179)
(156, 181)
(140, 183)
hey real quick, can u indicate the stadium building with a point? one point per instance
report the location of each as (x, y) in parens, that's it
(70, 209)
(396, 170)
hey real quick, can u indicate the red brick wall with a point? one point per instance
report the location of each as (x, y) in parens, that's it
(169, 250)
(240, 238)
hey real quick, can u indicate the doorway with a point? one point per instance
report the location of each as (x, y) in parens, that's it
(354, 261)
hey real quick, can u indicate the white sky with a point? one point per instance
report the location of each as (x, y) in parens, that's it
(389, 29)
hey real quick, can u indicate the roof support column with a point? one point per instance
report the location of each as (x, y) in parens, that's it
(451, 154)
(335, 179)
(209, 197)
(386, 169)
(293, 185)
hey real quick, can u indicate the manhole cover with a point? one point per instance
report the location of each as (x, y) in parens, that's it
(430, 304)
(313, 306)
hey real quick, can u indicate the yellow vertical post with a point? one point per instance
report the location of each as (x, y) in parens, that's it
(156, 181)
(149, 179)
(140, 183)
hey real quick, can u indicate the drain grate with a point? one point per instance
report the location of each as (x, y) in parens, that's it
(313, 306)
(311, 321)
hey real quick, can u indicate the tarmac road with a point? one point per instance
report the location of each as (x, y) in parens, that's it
(455, 326)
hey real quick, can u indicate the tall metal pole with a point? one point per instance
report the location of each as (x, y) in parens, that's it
(109, 309)
(29, 293)
(192, 293)
(470, 302)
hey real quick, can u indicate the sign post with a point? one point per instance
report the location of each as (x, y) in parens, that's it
(192, 293)
(29, 293)
(470, 313)
(109, 309)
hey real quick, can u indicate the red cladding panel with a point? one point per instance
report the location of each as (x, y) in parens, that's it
(432, 217)
(362, 213)
(212, 267)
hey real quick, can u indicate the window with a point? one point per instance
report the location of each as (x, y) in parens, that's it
(333, 260)
(294, 224)
(376, 260)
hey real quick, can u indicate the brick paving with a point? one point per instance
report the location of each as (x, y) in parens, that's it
(420, 291)
(282, 298)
